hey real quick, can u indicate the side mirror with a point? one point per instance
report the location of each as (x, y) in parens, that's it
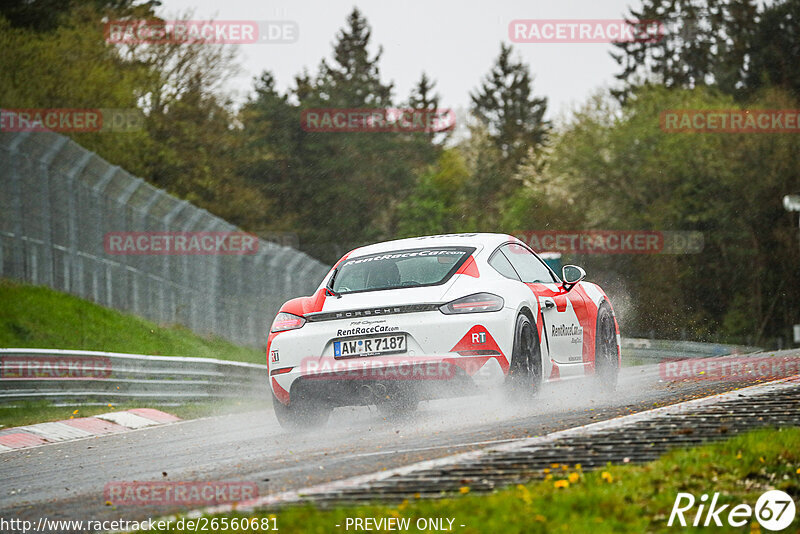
(571, 275)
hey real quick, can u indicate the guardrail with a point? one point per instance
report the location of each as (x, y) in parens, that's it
(77, 376)
(647, 350)
(88, 376)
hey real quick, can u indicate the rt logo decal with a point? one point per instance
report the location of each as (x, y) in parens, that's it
(273, 356)
(478, 337)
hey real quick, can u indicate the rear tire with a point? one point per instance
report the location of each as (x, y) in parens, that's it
(525, 372)
(300, 414)
(606, 357)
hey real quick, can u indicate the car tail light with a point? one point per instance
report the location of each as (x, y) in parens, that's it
(479, 302)
(287, 321)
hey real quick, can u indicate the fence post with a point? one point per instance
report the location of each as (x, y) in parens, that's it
(144, 212)
(18, 269)
(213, 282)
(191, 302)
(47, 219)
(131, 274)
(165, 266)
(97, 192)
(74, 276)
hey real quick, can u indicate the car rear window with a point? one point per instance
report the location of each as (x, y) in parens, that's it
(401, 268)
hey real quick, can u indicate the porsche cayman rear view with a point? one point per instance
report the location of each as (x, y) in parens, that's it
(414, 319)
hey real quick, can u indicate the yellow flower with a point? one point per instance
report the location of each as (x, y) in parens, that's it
(417, 495)
(463, 489)
(739, 455)
(561, 484)
(761, 459)
(545, 470)
(403, 505)
(564, 467)
(76, 411)
(524, 494)
(573, 478)
(554, 466)
(798, 471)
(548, 477)
(605, 475)
(578, 467)
(540, 518)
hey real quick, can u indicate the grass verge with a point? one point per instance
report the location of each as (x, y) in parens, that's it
(38, 317)
(620, 498)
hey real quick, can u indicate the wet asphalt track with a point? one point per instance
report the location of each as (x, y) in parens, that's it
(66, 480)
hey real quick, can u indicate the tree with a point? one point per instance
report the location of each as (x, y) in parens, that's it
(354, 78)
(775, 49)
(436, 205)
(505, 105)
(35, 75)
(618, 169)
(271, 154)
(47, 15)
(425, 147)
(337, 190)
(422, 95)
(736, 46)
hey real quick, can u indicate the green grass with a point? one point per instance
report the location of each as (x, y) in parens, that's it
(30, 412)
(620, 498)
(38, 317)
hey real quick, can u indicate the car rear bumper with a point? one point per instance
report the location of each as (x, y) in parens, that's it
(446, 355)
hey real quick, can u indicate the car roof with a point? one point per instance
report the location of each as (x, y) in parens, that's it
(479, 240)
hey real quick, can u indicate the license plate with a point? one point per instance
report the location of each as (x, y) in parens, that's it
(369, 346)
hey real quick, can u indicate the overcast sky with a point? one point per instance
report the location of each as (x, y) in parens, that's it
(454, 42)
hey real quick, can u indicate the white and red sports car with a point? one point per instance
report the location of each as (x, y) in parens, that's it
(398, 322)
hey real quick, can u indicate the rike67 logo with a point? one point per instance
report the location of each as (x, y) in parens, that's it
(774, 510)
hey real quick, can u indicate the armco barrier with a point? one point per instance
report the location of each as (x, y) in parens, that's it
(129, 377)
(164, 379)
(653, 350)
